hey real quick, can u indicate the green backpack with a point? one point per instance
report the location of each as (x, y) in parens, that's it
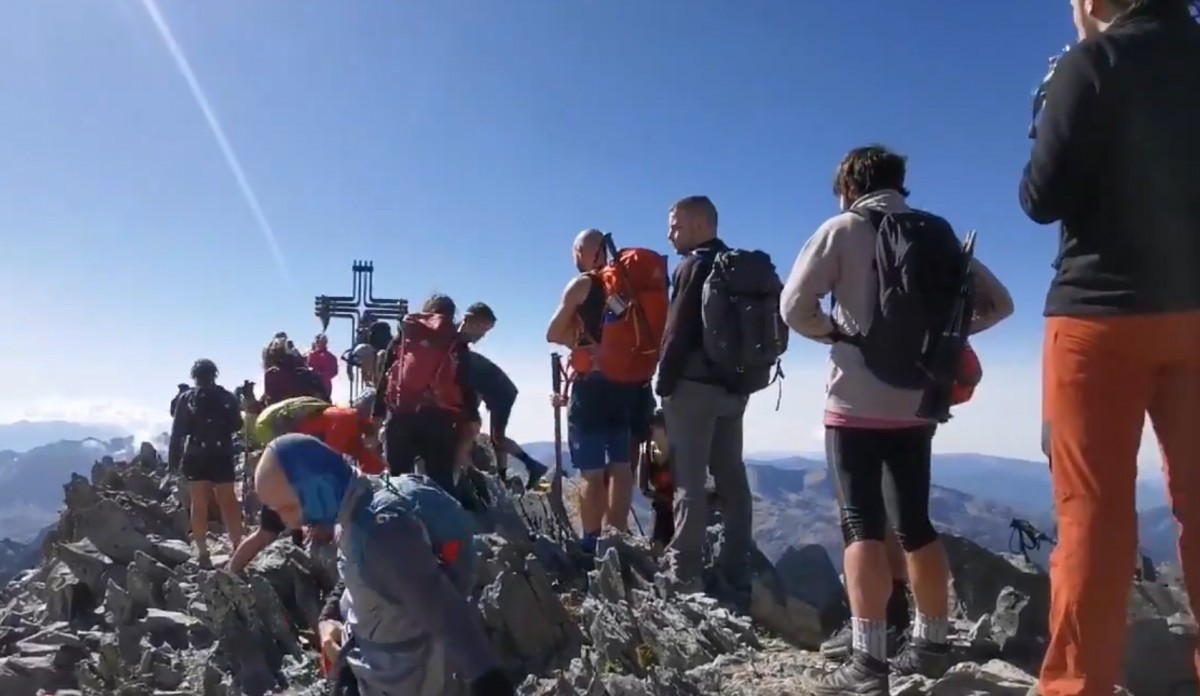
(286, 416)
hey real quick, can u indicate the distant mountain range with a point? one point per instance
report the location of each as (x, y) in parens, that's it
(975, 495)
(25, 435)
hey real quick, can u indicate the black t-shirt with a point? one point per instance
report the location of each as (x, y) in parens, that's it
(271, 522)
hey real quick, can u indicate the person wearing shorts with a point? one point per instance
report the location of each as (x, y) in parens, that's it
(600, 438)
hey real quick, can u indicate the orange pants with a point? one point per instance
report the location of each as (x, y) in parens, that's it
(1101, 377)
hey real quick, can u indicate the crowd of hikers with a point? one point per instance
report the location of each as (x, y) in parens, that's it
(661, 365)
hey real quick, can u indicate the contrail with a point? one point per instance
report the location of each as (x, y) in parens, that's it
(214, 125)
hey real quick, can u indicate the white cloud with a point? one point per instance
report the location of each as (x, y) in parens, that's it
(135, 419)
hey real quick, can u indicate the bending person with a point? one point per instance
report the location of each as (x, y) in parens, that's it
(403, 544)
(346, 430)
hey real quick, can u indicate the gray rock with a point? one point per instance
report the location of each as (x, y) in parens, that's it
(113, 532)
(809, 575)
(172, 552)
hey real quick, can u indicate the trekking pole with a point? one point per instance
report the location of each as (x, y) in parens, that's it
(638, 522)
(556, 485)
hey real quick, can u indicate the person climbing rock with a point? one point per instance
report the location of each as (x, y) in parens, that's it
(322, 362)
(345, 430)
(406, 551)
(206, 420)
(426, 393)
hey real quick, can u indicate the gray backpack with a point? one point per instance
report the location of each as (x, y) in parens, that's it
(744, 335)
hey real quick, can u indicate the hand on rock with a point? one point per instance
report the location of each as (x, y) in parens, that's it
(558, 400)
(331, 644)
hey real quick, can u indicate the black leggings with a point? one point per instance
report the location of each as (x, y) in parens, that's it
(882, 477)
(431, 435)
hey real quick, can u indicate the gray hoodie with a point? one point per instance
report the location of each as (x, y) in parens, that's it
(839, 258)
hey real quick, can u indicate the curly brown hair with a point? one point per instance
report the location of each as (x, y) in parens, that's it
(865, 170)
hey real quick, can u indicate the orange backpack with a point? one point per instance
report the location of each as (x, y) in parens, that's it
(636, 298)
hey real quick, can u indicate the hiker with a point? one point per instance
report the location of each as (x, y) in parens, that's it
(655, 481)
(286, 375)
(181, 390)
(322, 362)
(348, 431)
(202, 433)
(372, 342)
(642, 420)
(611, 317)
(876, 391)
(427, 396)
(705, 386)
(1114, 161)
(406, 553)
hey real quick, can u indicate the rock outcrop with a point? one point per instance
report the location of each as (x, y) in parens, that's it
(117, 605)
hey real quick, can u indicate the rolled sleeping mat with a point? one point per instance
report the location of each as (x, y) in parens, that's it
(286, 416)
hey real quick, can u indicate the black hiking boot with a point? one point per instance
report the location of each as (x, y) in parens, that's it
(861, 675)
(841, 644)
(922, 657)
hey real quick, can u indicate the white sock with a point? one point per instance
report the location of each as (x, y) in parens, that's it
(870, 637)
(932, 629)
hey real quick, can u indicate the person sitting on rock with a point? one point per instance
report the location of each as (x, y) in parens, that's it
(346, 430)
(206, 419)
(405, 548)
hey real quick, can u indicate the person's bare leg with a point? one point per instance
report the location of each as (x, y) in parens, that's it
(231, 512)
(620, 496)
(200, 493)
(593, 502)
(897, 560)
(929, 571)
(868, 580)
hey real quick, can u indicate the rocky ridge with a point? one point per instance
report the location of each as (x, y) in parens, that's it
(118, 606)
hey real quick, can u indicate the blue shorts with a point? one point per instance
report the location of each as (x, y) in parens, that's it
(599, 422)
(596, 450)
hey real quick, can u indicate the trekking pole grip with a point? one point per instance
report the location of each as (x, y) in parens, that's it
(556, 372)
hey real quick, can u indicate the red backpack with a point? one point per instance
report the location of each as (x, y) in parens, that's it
(425, 373)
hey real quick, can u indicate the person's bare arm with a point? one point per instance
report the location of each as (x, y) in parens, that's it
(562, 326)
(993, 303)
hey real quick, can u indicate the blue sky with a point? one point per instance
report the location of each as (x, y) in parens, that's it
(461, 145)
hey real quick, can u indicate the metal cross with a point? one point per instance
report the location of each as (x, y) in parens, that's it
(362, 308)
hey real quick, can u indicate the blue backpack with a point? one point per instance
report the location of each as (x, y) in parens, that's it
(451, 529)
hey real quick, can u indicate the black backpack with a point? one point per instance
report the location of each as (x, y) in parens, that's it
(215, 418)
(921, 268)
(744, 335)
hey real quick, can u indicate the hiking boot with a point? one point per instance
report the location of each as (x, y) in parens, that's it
(922, 657)
(204, 560)
(841, 644)
(861, 674)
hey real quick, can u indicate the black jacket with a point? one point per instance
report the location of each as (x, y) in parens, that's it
(683, 341)
(1116, 160)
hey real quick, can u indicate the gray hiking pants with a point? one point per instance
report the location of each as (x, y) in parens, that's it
(704, 424)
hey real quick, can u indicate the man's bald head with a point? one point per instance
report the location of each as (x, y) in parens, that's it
(590, 253)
